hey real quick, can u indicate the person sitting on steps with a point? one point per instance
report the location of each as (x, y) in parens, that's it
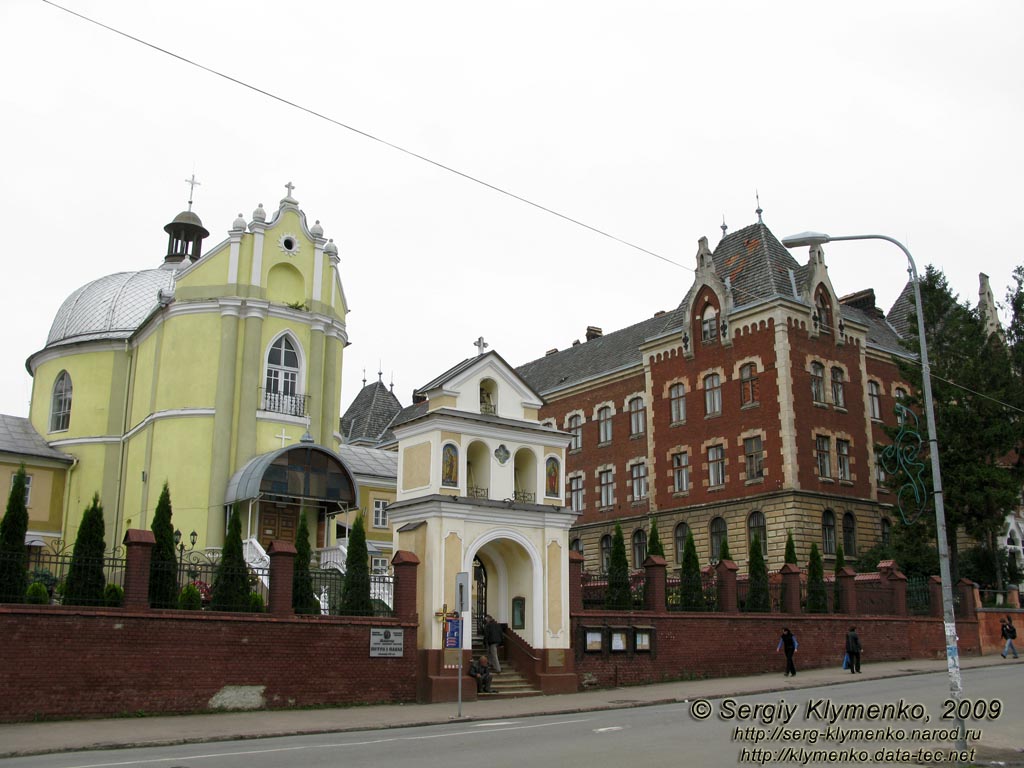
(481, 670)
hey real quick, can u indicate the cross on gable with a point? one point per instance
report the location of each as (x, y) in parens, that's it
(480, 345)
(289, 186)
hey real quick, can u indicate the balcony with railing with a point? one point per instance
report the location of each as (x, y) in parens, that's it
(278, 402)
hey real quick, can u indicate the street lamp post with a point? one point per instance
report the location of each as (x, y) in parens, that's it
(956, 687)
(182, 548)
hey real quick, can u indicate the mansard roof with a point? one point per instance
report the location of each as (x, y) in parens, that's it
(370, 414)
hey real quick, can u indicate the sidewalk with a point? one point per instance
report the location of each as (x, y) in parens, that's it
(65, 736)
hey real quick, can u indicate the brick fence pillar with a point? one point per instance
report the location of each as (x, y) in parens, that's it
(282, 570)
(575, 581)
(725, 575)
(898, 584)
(1012, 596)
(968, 599)
(790, 588)
(138, 555)
(935, 596)
(405, 565)
(654, 583)
(847, 590)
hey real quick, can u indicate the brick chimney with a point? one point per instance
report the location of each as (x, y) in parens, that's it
(593, 332)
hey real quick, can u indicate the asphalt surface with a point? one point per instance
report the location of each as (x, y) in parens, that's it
(75, 735)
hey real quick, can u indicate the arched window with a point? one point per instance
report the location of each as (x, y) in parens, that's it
(886, 532)
(818, 382)
(718, 535)
(576, 545)
(450, 466)
(604, 425)
(838, 388)
(576, 428)
(639, 547)
(281, 390)
(606, 553)
(823, 314)
(637, 416)
(709, 324)
(849, 535)
(756, 526)
(60, 404)
(677, 402)
(712, 394)
(679, 536)
(488, 396)
(828, 532)
(552, 477)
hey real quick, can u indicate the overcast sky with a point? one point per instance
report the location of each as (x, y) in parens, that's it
(649, 121)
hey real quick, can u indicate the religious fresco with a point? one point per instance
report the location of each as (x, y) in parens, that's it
(450, 466)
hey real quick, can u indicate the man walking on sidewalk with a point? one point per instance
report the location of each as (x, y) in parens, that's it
(853, 649)
(1009, 634)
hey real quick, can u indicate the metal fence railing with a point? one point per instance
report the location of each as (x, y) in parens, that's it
(693, 594)
(65, 581)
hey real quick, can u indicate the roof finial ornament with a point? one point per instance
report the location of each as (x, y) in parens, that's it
(392, 381)
(364, 377)
(725, 228)
(380, 373)
(192, 184)
(758, 211)
(480, 345)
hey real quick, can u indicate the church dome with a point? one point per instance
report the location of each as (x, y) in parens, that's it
(112, 307)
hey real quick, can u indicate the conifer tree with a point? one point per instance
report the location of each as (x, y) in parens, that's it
(817, 597)
(691, 590)
(618, 596)
(231, 582)
(163, 566)
(790, 556)
(758, 598)
(13, 553)
(840, 564)
(355, 595)
(86, 581)
(303, 599)
(723, 551)
(654, 546)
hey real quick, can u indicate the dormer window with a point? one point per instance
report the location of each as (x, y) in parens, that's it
(488, 397)
(823, 312)
(709, 324)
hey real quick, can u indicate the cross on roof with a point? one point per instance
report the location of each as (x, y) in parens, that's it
(192, 184)
(480, 345)
(283, 436)
(289, 186)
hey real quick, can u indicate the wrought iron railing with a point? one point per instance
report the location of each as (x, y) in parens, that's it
(526, 497)
(278, 402)
(488, 409)
(693, 594)
(51, 566)
(475, 492)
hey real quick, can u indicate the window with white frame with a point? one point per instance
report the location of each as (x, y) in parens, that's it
(379, 566)
(748, 384)
(818, 382)
(875, 399)
(849, 534)
(757, 526)
(639, 547)
(576, 493)
(709, 324)
(60, 404)
(604, 425)
(828, 532)
(823, 451)
(637, 416)
(716, 465)
(606, 553)
(28, 488)
(281, 390)
(606, 481)
(712, 394)
(753, 451)
(880, 475)
(681, 471)
(677, 402)
(901, 395)
(682, 531)
(576, 429)
(719, 532)
(380, 513)
(843, 459)
(638, 477)
(838, 388)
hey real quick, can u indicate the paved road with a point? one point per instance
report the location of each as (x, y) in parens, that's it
(668, 734)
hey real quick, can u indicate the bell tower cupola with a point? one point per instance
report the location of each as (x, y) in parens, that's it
(185, 235)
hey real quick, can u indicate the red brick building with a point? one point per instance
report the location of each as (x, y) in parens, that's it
(753, 407)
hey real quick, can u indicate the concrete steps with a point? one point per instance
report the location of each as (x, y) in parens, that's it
(510, 684)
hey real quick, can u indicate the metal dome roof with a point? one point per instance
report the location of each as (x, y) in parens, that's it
(112, 307)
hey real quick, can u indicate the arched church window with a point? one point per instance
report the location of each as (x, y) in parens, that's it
(488, 396)
(709, 324)
(639, 547)
(681, 533)
(450, 466)
(60, 405)
(552, 477)
(606, 553)
(281, 391)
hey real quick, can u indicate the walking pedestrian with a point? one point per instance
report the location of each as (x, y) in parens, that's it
(492, 639)
(788, 643)
(853, 648)
(1009, 634)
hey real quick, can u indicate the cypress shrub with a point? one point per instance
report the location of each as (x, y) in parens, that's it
(13, 553)
(189, 599)
(790, 549)
(256, 604)
(231, 582)
(758, 598)
(355, 594)
(163, 567)
(37, 594)
(618, 596)
(654, 546)
(113, 596)
(303, 599)
(691, 588)
(840, 564)
(723, 552)
(86, 581)
(817, 597)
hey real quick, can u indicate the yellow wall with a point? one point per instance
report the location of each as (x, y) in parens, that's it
(416, 466)
(46, 499)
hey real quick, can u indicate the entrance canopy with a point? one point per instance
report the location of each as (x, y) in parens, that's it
(295, 473)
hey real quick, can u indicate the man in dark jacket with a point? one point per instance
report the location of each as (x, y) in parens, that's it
(853, 649)
(481, 671)
(492, 639)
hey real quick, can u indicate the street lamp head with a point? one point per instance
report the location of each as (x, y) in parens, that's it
(192, 537)
(177, 537)
(805, 238)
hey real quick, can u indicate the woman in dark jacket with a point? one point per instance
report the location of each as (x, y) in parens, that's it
(788, 644)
